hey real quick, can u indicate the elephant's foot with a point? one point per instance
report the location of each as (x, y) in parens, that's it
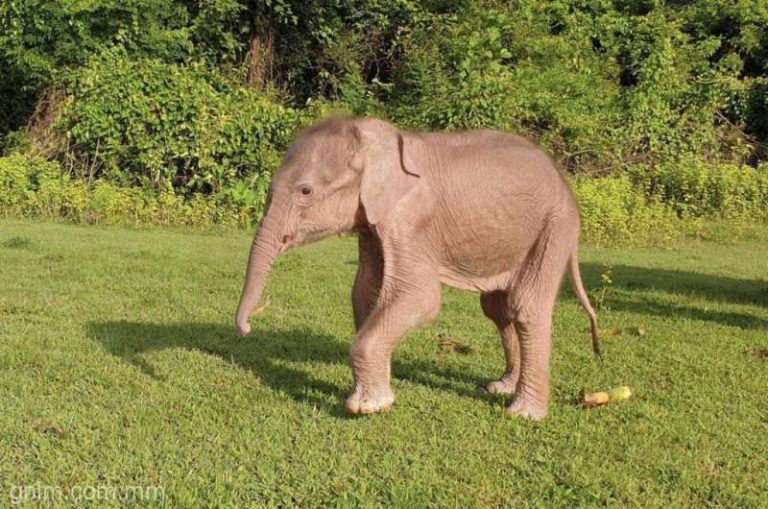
(505, 385)
(367, 401)
(525, 407)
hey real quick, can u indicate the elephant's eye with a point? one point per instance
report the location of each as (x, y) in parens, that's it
(306, 189)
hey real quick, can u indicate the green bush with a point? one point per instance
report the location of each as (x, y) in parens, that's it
(34, 187)
(40, 38)
(673, 200)
(14, 184)
(614, 211)
(699, 189)
(459, 66)
(600, 88)
(162, 126)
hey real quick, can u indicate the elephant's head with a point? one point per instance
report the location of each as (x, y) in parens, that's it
(339, 176)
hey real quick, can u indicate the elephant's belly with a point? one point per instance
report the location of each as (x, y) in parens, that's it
(474, 282)
(483, 263)
(485, 251)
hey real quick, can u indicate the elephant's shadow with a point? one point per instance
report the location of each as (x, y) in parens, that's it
(270, 354)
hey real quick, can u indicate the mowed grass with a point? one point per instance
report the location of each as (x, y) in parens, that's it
(119, 366)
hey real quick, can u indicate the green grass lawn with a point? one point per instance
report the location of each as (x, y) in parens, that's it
(119, 366)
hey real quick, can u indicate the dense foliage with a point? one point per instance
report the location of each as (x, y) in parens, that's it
(666, 103)
(144, 122)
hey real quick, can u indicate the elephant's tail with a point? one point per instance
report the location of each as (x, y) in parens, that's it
(581, 295)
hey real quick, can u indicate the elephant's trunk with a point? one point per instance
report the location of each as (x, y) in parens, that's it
(266, 246)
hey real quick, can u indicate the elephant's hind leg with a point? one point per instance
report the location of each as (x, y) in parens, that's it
(496, 307)
(532, 298)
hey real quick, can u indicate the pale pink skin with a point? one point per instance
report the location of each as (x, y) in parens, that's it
(479, 210)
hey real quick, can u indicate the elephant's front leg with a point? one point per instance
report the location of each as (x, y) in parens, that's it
(370, 272)
(409, 297)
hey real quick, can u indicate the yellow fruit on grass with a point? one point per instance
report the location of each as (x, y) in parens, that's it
(592, 399)
(620, 393)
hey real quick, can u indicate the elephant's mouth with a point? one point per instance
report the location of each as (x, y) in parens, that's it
(306, 234)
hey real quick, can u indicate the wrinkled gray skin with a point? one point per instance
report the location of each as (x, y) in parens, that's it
(478, 210)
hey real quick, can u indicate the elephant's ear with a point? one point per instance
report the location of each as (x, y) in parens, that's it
(389, 171)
